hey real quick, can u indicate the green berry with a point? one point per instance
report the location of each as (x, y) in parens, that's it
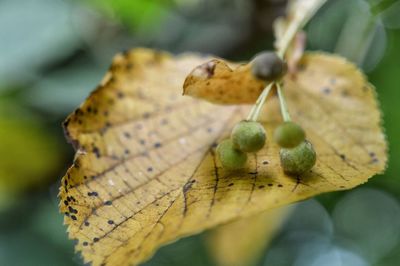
(299, 159)
(248, 136)
(289, 135)
(229, 157)
(268, 66)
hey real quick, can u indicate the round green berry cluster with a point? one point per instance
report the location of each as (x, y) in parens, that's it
(297, 155)
(246, 137)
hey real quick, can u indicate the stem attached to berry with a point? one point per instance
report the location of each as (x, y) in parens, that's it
(255, 110)
(282, 101)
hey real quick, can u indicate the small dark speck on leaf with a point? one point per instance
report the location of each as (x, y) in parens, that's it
(326, 90)
(93, 194)
(72, 210)
(157, 145)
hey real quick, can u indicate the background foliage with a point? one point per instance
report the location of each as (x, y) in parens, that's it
(54, 52)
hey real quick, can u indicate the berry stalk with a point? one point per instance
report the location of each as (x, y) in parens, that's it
(255, 110)
(282, 103)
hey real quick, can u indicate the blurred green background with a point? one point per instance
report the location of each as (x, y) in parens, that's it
(54, 52)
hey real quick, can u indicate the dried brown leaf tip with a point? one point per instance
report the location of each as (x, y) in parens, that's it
(222, 82)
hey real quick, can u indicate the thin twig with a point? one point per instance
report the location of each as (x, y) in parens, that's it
(301, 11)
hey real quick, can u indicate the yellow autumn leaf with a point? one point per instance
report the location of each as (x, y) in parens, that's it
(242, 242)
(146, 173)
